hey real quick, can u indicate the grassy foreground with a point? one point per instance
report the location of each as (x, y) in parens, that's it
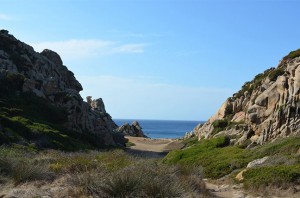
(94, 173)
(115, 173)
(218, 158)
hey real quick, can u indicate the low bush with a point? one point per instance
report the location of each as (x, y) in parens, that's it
(24, 171)
(218, 158)
(275, 73)
(190, 141)
(276, 176)
(117, 174)
(144, 179)
(284, 146)
(215, 156)
(124, 183)
(129, 144)
(294, 54)
(219, 125)
(21, 168)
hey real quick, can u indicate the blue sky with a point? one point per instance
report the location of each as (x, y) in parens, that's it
(154, 59)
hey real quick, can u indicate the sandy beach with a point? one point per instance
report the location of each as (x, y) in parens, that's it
(154, 147)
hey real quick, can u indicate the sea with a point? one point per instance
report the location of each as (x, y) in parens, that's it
(162, 128)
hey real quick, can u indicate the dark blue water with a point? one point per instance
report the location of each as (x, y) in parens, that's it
(163, 128)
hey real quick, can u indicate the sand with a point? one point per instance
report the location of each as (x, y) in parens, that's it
(148, 147)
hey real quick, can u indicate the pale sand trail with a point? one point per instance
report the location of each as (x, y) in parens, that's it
(154, 145)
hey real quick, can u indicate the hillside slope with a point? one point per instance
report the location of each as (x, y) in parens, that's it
(264, 109)
(40, 102)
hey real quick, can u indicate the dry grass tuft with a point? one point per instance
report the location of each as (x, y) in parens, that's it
(96, 174)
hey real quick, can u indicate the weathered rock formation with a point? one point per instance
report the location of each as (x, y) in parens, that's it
(134, 129)
(44, 75)
(264, 109)
(193, 132)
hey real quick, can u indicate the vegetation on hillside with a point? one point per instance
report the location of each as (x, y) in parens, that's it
(272, 74)
(218, 159)
(249, 87)
(34, 122)
(294, 54)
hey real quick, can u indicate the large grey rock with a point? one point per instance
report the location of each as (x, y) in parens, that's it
(45, 76)
(257, 162)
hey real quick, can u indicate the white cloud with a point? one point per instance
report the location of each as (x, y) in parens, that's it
(76, 49)
(4, 17)
(130, 48)
(141, 98)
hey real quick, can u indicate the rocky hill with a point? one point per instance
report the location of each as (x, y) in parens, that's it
(264, 109)
(40, 102)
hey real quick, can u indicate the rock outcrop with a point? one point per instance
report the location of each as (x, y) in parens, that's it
(264, 109)
(44, 75)
(193, 132)
(134, 129)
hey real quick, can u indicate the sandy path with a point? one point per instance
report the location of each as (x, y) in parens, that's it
(226, 191)
(159, 147)
(154, 145)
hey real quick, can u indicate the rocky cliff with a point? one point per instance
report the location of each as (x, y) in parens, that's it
(264, 109)
(44, 75)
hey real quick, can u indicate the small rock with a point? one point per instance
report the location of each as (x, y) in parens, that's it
(239, 176)
(134, 130)
(257, 162)
(224, 187)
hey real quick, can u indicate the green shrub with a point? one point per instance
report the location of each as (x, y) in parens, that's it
(220, 125)
(275, 73)
(284, 146)
(294, 54)
(278, 176)
(190, 141)
(218, 158)
(129, 144)
(214, 155)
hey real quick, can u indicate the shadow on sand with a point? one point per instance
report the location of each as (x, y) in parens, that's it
(146, 154)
